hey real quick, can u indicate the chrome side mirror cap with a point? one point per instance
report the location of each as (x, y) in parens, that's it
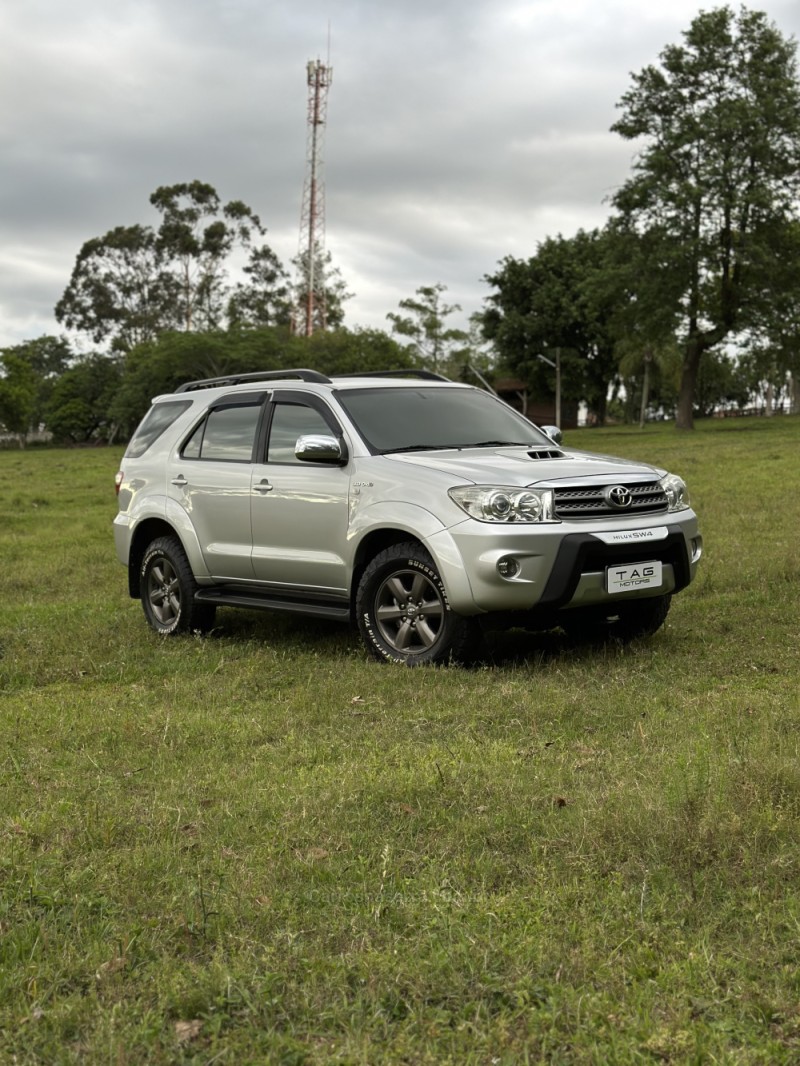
(553, 432)
(319, 448)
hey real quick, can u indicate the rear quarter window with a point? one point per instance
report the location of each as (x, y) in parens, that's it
(158, 419)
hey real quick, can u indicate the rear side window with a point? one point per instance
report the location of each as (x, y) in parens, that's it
(227, 434)
(158, 419)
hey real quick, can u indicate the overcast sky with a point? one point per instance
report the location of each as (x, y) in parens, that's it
(459, 131)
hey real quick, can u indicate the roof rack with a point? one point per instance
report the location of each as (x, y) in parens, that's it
(426, 375)
(259, 375)
(302, 375)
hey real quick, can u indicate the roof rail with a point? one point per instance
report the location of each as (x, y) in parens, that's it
(426, 375)
(259, 375)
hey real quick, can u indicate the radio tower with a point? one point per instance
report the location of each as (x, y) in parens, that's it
(312, 215)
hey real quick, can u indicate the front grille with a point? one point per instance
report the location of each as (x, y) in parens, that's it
(591, 502)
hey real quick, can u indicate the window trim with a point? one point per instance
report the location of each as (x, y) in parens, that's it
(247, 399)
(296, 398)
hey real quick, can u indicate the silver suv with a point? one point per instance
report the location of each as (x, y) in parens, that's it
(419, 507)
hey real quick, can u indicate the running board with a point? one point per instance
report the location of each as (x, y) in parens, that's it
(227, 597)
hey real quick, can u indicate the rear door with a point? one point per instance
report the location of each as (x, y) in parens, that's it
(211, 480)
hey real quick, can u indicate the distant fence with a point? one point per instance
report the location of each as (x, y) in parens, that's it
(38, 436)
(750, 412)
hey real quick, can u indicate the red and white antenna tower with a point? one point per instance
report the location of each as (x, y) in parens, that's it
(312, 215)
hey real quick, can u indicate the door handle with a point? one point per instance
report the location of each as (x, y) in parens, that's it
(263, 486)
(180, 481)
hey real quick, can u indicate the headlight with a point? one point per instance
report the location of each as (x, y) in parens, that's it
(677, 493)
(498, 503)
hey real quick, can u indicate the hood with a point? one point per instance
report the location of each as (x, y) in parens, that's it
(514, 466)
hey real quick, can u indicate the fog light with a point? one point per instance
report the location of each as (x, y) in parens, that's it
(507, 566)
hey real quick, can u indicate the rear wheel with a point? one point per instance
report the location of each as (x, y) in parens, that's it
(167, 590)
(403, 611)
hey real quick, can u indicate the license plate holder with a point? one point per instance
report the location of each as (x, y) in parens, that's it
(631, 577)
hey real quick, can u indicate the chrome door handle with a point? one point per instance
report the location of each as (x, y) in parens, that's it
(263, 486)
(180, 481)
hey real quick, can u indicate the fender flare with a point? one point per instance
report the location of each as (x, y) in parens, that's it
(422, 525)
(166, 511)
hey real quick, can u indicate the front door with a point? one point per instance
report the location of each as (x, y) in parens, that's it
(299, 509)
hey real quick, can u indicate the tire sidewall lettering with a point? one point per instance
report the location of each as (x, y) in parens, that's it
(455, 637)
(432, 576)
(154, 553)
(377, 643)
(370, 628)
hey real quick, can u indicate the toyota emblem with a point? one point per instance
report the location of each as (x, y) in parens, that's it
(618, 496)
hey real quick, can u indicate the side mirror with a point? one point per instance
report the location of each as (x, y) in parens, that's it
(553, 432)
(319, 448)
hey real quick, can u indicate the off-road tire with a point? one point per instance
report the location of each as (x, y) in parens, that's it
(167, 590)
(403, 612)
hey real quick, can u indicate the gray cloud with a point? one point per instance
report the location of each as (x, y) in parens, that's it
(459, 132)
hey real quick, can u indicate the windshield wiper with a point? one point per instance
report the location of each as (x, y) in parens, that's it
(459, 447)
(418, 448)
(498, 444)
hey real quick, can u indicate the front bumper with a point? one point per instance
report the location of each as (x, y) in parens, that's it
(560, 565)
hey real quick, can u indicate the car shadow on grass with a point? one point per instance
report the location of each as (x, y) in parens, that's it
(289, 633)
(500, 648)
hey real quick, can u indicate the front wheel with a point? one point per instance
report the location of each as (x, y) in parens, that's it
(167, 590)
(403, 612)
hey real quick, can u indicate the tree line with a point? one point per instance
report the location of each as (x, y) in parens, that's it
(686, 300)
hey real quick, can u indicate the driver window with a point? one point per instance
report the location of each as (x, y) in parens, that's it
(290, 421)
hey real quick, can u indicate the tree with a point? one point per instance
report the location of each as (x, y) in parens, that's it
(714, 189)
(120, 289)
(47, 357)
(18, 393)
(649, 373)
(164, 363)
(265, 298)
(196, 236)
(433, 343)
(561, 300)
(81, 402)
(344, 351)
(770, 370)
(168, 360)
(475, 360)
(770, 359)
(136, 282)
(326, 308)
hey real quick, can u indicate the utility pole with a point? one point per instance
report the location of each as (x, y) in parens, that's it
(648, 358)
(312, 216)
(557, 367)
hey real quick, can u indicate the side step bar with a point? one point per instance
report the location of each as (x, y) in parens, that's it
(227, 597)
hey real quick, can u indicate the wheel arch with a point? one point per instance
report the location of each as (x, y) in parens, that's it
(376, 541)
(146, 532)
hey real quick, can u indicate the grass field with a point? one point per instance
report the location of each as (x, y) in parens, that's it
(260, 847)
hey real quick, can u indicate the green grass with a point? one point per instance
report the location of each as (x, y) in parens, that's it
(262, 847)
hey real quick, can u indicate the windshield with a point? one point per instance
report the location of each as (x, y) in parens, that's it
(418, 419)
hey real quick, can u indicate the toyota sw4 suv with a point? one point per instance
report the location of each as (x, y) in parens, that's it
(419, 507)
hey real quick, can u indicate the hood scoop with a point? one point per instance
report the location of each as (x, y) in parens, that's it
(546, 453)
